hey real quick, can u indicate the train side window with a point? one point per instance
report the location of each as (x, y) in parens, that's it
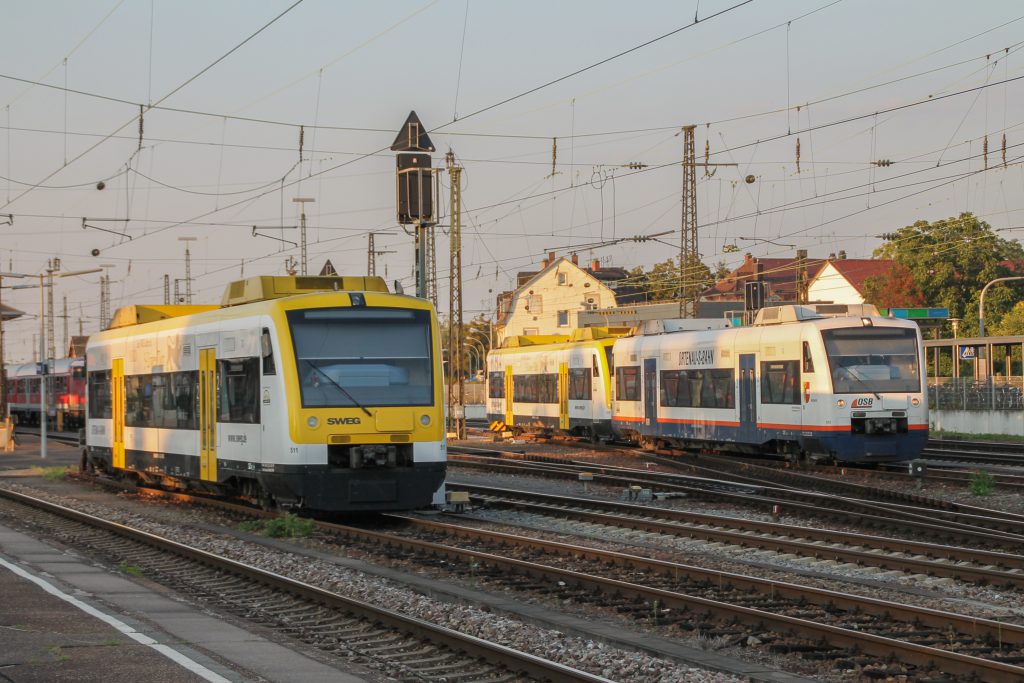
(627, 383)
(496, 385)
(99, 395)
(579, 384)
(595, 371)
(238, 390)
(780, 382)
(267, 349)
(808, 361)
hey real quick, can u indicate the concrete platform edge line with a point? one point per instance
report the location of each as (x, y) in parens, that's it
(172, 654)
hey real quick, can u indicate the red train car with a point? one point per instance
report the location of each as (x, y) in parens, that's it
(65, 393)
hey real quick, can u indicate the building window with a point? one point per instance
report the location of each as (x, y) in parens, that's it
(563, 318)
(535, 304)
(562, 278)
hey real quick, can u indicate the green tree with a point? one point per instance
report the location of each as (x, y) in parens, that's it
(662, 282)
(1012, 323)
(951, 260)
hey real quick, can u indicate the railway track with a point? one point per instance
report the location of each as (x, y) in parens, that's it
(885, 638)
(404, 647)
(927, 518)
(925, 560)
(851, 630)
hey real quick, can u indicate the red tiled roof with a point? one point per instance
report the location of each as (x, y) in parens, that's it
(780, 276)
(778, 273)
(856, 271)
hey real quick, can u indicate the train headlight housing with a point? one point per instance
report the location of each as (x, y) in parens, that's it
(425, 420)
(841, 403)
(915, 401)
(312, 422)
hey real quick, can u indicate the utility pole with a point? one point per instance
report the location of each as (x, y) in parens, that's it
(372, 252)
(432, 264)
(65, 317)
(52, 266)
(188, 269)
(167, 289)
(801, 276)
(689, 254)
(302, 201)
(456, 333)
(104, 301)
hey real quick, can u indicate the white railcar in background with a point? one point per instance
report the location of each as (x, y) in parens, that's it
(821, 382)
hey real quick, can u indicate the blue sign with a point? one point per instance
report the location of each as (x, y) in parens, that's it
(968, 353)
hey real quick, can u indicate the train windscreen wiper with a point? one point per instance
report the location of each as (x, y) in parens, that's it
(340, 388)
(850, 372)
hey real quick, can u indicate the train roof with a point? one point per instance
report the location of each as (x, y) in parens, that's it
(576, 336)
(251, 290)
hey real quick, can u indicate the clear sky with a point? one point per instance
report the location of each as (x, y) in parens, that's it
(755, 79)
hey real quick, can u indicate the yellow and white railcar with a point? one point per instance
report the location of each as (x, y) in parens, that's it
(553, 383)
(321, 393)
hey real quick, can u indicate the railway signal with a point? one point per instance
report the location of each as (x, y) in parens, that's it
(413, 183)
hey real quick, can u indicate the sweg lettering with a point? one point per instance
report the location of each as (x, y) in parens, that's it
(698, 357)
(343, 421)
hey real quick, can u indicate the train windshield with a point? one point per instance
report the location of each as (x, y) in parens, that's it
(873, 360)
(350, 357)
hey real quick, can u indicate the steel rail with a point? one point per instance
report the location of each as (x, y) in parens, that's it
(514, 660)
(991, 671)
(929, 559)
(861, 512)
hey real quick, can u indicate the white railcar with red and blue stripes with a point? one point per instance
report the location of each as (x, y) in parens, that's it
(818, 382)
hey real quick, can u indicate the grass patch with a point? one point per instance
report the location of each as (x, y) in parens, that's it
(285, 526)
(130, 569)
(54, 473)
(982, 483)
(960, 436)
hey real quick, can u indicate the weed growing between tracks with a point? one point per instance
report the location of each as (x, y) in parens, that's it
(54, 473)
(982, 483)
(285, 526)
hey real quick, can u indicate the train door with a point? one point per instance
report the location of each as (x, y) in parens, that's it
(117, 410)
(650, 391)
(748, 397)
(508, 395)
(208, 414)
(563, 396)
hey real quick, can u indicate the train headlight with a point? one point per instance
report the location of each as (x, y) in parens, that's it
(425, 420)
(841, 403)
(312, 422)
(915, 401)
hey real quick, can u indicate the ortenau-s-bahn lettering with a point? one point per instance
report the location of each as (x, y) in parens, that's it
(343, 421)
(697, 357)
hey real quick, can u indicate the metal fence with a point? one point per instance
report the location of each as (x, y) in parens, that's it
(967, 393)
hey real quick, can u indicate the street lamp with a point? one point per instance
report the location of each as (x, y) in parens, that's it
(981, 301)
(44, 370)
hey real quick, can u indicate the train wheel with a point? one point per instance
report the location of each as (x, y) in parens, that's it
(266, 501)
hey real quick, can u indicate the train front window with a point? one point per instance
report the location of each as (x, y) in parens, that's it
(350, 357)
(873, 360)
